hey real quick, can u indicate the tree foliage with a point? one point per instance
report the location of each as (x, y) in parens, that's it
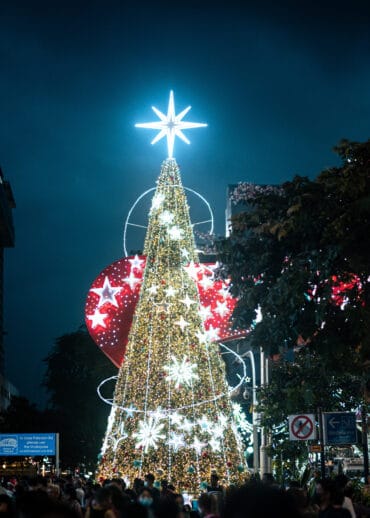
(302, 252)
(75, 367)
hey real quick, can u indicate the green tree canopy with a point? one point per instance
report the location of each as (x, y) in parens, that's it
(301, 251)
(75, 367)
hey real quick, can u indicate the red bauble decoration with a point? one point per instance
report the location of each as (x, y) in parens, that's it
(113, 296)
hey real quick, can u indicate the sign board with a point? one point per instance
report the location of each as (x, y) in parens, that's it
(315, 448)
(302, 427)
(27, 444)
(339, 428)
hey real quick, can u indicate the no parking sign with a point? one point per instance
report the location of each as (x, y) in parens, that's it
(302, 427)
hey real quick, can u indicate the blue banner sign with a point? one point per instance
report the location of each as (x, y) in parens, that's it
(339, 428)
(27, 444)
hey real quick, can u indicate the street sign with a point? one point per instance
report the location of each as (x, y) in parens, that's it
(339, 428)
(27, 444)
(302, 427)
(315, 448)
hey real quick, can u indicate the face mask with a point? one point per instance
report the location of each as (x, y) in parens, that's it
(146, 483)
(146, 501)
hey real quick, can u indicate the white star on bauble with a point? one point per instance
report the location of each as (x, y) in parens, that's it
(97, 319)
(181, 373)
(222, 308)
(136, 262)
(176, 441)
(175, 233)
(166, 217)
(182, 323)
(170, 125)
(206, 282)
(212, 334)
(107, 293)
(132, 280)
(205, 312)
(148, 434)
(198, 445)
(192, 270)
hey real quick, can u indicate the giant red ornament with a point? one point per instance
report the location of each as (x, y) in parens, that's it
(113, 296)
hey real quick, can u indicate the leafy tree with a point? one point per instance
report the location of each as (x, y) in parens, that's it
(301, 251)
(22, 416)
(75, 367)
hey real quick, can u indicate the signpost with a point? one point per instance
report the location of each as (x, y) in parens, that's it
(302, 427)
(30, 445)
(339, 428)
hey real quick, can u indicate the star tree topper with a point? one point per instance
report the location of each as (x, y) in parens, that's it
(170, 125)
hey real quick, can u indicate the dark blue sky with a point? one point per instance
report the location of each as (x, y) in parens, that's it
(279, 85)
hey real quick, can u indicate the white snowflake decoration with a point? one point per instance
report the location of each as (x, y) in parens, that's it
(181, 373)
(148, 434)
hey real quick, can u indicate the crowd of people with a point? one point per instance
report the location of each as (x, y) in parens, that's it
(75, 497)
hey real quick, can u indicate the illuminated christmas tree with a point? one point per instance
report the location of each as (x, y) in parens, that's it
(171, 413)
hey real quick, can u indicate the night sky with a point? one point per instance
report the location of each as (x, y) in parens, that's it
(278, 85)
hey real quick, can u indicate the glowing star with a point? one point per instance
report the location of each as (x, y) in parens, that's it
(187, 425)
(175, 418)
(192, 270)
(204, 423)
(181, 373)
(187, 301)
(197, 445)
(170, 291)
(132, 280)
(153, 289)
(215, 444)
(222, 419)
(136, 262)
(202, 337)
(212, 334)
(166, 217)
(130, 410)
(175, 233)
(97, 319)
(107, 293)
(157, 201)
(218, 431)
(176, 441)
(206, 282)
(205, 312)
(222, 309)
(170, 125)
(148, 434)
(184, 253)
(182, 323)
(118, 436)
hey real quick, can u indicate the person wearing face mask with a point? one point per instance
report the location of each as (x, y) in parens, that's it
(146, 500)
(149, 483)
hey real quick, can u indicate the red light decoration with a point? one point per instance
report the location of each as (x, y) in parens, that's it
(113, 296)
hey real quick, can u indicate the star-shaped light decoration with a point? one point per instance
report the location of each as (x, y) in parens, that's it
(175, 418)
(136, 262)
(148, 434)
(157, 201)
(166, 217)
(181, 372)
(176, 441)
(198, 445)
(107, 293)
(130, 410)
(204, 423)
(187, 425)
(188, 301)
(175, 233)
(132, 280)
(170, 291)
(215, 444)
(97, 319)
(170, 125)
(182, 323)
